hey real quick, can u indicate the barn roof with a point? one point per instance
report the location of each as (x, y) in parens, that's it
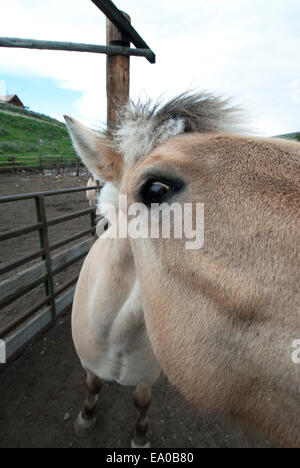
(8, 97)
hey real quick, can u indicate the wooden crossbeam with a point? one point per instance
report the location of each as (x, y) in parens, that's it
(74, 47)
(120, 21)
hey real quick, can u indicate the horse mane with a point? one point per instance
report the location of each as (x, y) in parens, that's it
(144, 125)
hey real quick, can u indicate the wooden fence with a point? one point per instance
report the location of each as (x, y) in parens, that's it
(120, 34)
(27, 324)
(16, 163)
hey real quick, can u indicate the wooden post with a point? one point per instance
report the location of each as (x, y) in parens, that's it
(57, 166)
(13, 164)
(117, 73)
(45, 244)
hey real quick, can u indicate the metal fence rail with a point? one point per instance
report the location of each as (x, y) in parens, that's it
(23, 327)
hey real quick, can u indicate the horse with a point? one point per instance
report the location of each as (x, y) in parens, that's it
(221, 319)
(108, 326)
(93, 195)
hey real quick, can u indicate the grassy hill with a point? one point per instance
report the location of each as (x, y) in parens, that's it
(290, 136)
(26, 136)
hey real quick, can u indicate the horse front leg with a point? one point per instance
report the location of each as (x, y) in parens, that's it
(86, 420)
(142, 400)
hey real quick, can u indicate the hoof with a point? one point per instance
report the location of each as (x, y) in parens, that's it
(83, 427)
(135, 444)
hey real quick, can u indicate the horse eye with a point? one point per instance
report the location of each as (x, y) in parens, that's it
(155, 192)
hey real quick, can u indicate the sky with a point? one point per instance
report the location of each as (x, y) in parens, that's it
(244, 49)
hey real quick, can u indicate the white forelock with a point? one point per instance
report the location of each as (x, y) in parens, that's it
(142, 126)
(137, 138)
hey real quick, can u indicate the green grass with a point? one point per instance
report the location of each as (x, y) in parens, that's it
(290, 136)
(27, 136)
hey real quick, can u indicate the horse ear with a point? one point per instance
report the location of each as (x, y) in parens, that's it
(95, 151)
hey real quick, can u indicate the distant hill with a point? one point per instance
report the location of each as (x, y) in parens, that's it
(290, 136)
(27, 134)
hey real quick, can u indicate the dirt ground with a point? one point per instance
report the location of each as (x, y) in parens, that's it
(42, 391)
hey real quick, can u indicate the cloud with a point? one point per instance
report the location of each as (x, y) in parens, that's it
(3, 89)
(296, 91)
(246, 49)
